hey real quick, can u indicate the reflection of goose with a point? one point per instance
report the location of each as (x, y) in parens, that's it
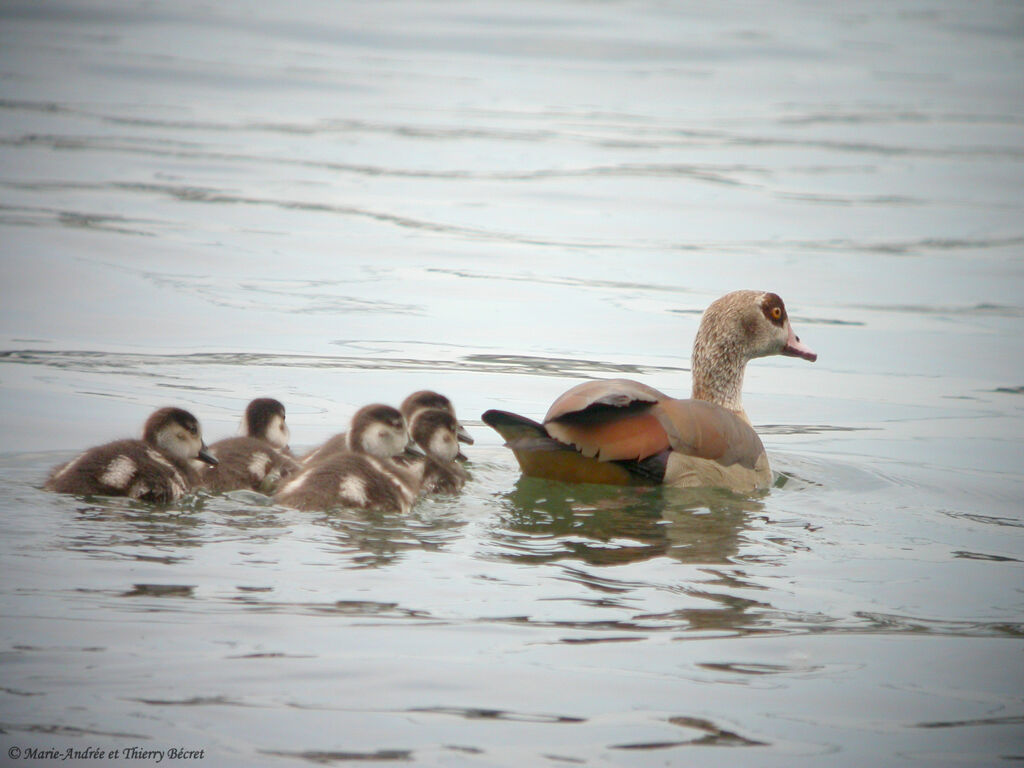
(545, 521)
(155, 468)
(259, 458)
(362, 476)
(627, 433)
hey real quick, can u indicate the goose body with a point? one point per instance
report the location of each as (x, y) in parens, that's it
(335, 444)
(624, 432)
(247, 463)
(364, 474)
(257, 459)
(156, 468)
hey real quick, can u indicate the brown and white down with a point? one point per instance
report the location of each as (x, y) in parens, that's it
(422, 400)
(364, 475)
(259, 458)
(157, 468)
(437, 433)
(429, 400)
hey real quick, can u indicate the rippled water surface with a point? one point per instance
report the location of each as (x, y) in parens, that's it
(337, 203)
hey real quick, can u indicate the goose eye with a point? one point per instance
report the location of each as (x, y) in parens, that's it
(776, 313)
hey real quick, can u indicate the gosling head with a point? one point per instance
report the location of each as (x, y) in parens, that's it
(427, 399)
(379, 430)
(177, 433)
(264, 419)
(437, 433)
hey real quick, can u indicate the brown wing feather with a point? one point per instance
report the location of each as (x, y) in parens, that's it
(617, 393)
(708, 431)
(609, 420)
(616, 435)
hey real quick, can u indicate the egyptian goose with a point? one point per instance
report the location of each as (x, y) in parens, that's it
(156, 468)
(258, 458)
(623, 432)
(363, 475)
(424, 399)
(428, 399)
(437, 432)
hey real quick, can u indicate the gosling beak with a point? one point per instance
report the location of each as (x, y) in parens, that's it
(463, 435)
(411, 449)
(796, 348)
(205, 455)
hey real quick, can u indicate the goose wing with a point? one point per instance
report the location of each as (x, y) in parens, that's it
(707, 431)
(610, 420)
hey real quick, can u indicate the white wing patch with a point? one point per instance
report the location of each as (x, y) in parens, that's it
(119, 472)
(353, 490)
(258, 464)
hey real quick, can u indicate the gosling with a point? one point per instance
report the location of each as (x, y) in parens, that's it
(259, 458)
(156, 468)
(436, 431)
(364, 474)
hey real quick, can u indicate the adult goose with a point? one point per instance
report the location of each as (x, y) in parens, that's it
(623, 432)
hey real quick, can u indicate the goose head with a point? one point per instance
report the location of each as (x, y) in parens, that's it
(264, 419)
(735, 329)
(177, 433)
(427, 399)
(378, 430)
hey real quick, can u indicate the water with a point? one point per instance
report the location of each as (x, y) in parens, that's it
(339, 203)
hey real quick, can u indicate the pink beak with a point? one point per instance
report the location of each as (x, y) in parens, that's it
(796, 348)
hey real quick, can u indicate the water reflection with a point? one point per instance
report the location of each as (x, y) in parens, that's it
(115, 529)
(368, 539)
(543, 521)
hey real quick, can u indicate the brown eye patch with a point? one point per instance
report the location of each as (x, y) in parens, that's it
(774, 309)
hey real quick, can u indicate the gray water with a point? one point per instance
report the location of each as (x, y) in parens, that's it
(338, 203)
